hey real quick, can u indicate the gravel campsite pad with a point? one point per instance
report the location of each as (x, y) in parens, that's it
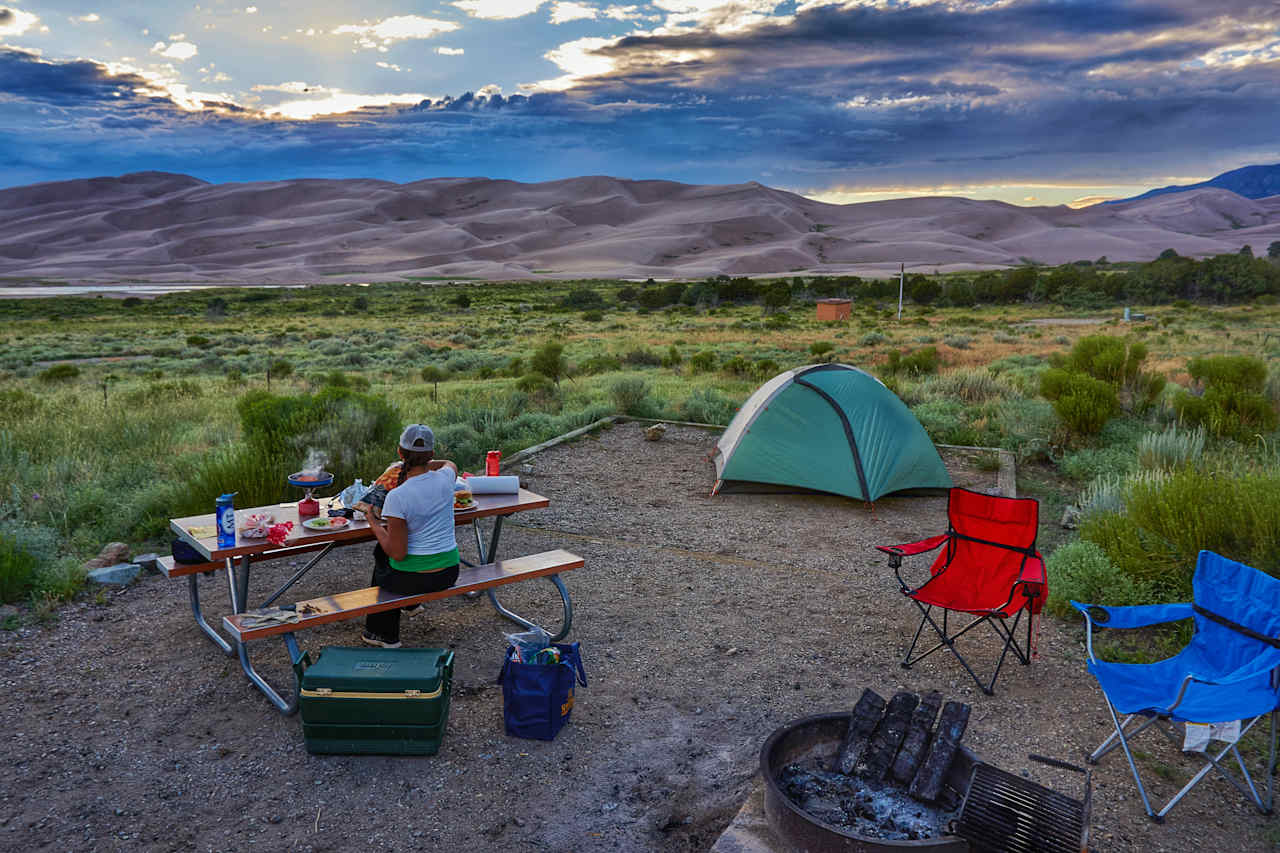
(705, 623)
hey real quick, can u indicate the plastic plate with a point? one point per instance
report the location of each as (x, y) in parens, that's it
(334, 523)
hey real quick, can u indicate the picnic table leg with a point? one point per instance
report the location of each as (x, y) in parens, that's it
(192, 585)
(286, 707)
(485, 554)
(565, 625)
(238, 583)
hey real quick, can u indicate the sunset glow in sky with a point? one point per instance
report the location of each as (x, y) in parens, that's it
(1027, 101)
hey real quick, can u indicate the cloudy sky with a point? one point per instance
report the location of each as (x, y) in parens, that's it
(1029, 101)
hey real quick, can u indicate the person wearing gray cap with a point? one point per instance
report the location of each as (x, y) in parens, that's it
(417, 550)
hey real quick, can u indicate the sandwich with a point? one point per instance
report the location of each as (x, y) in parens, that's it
(462, 499)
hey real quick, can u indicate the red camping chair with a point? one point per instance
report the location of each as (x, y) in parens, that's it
(989, 568)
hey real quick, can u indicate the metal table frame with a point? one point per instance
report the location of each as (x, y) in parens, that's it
(238, 570)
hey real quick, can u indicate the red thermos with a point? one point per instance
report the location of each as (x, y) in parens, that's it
(491, 461)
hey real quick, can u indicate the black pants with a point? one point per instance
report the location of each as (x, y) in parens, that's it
(387, 623)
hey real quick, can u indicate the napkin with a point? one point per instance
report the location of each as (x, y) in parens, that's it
(505, 485)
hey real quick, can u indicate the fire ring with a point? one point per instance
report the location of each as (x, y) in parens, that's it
(820, 736)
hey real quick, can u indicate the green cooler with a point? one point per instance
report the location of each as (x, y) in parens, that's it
(370, 700)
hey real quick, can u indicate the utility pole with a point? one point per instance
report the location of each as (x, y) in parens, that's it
(902, 269)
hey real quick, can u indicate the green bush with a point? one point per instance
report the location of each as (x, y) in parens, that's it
(1233, 404)
(871, 339)
(593, 316)
(972, 385)
(958, 341)
(1085, 404)
(702, 362)
(1087, 463)
(599, 364)
(16, 404)
(58, 373)
(631, 397)
(917, 363)
(948, 422)
(17, 571)
(673, 357)
(534, 383)
(1169, 519)
(707, 406)
(1081, 570)
(641, 357)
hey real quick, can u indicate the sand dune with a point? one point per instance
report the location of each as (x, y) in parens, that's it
(160, 227)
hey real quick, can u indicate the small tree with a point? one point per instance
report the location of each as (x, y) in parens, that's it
(435, 376)
(549, 360)
(1273, 251)
(777, 296)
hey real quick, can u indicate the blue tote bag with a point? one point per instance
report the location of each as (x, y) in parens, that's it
(537, 699)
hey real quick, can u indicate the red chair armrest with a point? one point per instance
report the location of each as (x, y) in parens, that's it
(910, 548)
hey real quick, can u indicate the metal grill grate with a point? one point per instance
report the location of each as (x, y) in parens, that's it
(1003, 813)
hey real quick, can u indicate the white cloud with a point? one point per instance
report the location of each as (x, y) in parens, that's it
(178, 37)
(495, 10)
(251, 10)
(566, 10)
(391, 66)
(17, 22)
(628, 13)
(91, 18)
(389, 30)
(338, 101)
(180, 50)
(450, 51)
(577, 60)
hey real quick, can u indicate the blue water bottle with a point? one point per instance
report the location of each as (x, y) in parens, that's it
(224, 512)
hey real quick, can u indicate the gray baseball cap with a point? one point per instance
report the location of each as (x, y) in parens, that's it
(417, 437)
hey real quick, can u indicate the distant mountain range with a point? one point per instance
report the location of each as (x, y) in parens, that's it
(1249, 181)
(160, 227)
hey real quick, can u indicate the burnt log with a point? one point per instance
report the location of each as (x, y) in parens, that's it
(888, 737)
(927, 784)
(916, 741)
(862, 723)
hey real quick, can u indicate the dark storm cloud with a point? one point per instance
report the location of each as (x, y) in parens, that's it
(25, 75)
(931, 93)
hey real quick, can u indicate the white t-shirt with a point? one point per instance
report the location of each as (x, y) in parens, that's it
(425, 502)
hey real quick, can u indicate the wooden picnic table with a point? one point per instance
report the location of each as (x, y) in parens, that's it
(199, 532)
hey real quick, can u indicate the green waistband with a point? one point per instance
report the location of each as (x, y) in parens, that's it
(426, 562)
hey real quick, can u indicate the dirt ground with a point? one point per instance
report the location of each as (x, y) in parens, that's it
(705, 623)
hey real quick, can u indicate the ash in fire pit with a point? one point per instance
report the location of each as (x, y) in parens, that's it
(875, 809)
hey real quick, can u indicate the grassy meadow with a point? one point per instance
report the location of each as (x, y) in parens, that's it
(117, 414)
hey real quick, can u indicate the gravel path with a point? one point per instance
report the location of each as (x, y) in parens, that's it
(705, 624)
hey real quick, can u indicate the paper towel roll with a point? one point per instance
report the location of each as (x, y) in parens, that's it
(507, 485)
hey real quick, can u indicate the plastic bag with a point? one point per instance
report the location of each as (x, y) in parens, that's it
(526, 646)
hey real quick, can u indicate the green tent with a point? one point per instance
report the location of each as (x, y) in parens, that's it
(827, 428)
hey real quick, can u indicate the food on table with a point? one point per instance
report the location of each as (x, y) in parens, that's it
(463, 500)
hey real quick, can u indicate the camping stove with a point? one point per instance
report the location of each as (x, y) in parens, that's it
(309, 481)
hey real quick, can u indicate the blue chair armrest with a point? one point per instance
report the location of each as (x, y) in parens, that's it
(1133, 617)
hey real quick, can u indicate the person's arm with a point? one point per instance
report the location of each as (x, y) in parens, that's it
(437, 464)
(393, 537)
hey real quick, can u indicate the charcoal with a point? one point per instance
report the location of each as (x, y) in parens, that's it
(888, 737)
(916, 741)
(927, 784)
(862, 724)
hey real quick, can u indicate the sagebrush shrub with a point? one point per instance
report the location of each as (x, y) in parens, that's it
(58, 373)
(1081, 570)
(1173, 448)
(631, 396)
(917, 363)
(707, 406)
(972, 385)
(702, 362)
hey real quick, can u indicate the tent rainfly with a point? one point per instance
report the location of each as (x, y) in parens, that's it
(827, 428)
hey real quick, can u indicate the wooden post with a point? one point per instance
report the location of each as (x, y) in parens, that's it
(862, 723)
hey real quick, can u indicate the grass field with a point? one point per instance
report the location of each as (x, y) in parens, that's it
(116, 414)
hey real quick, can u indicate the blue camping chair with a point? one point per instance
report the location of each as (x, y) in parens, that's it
(1227, 672)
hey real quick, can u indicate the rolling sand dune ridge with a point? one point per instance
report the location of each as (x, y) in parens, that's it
(161, 227)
